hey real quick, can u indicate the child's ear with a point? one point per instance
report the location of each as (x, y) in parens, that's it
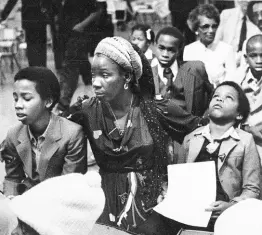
(48, 103)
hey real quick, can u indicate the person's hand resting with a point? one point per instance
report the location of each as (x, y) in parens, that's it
(218, 207)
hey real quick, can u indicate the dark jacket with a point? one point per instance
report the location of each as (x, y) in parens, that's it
(32, 14)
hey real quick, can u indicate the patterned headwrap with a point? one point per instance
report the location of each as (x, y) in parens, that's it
(121, 51)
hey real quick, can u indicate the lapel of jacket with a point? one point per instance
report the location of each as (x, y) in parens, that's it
(156, 79)
(24, 150)
(189, 83)
(195, 146)
(50, 145)
(225, 149)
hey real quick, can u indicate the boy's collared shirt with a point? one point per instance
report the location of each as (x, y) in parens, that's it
(251, 87)
(38, 143)
(214, 143)
(173, 67)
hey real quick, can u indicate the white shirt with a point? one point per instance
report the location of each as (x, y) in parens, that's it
(173, 67)
(214, 143)
(218, 58)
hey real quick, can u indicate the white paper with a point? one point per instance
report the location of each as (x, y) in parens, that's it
(191, 190)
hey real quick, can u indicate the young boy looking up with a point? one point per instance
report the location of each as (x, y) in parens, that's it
(43, 145)
(232, 149)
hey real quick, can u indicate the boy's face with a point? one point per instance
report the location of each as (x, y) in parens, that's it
(254, 57)
(167, 49)
(224, 105)
(30, 108)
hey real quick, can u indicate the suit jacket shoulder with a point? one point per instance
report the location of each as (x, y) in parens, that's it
(68, 126)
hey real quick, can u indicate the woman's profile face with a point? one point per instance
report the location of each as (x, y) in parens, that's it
(107, 78)
(207, 29)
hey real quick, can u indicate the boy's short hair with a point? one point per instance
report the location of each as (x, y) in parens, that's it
(171, 31)
(47, 84)
(243, 107)
(145, 28)
(252, 40)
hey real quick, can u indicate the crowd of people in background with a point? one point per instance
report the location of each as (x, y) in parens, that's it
(190, 92)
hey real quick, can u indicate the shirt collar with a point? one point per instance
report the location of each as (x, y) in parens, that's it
(31, 136)
(252, 82)
(173, 67)
(231, 132)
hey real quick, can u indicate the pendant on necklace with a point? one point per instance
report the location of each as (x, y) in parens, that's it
(121, 132)
(117, 150)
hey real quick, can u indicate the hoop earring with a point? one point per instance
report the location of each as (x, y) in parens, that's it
(126, 86)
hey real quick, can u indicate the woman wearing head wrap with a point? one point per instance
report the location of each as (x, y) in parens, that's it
(125, 130)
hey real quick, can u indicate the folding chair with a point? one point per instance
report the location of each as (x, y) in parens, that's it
(8, 49)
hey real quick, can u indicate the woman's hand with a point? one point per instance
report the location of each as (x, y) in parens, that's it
(218, 207)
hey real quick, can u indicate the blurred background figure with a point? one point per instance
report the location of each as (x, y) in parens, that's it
(235, 27)
(34, 23)
(179, 12)
(143, 36)
(77, 22)
(104, 26)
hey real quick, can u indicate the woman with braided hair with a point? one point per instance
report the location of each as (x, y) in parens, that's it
(127, 131)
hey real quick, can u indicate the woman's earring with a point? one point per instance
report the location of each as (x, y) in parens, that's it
(126, 86)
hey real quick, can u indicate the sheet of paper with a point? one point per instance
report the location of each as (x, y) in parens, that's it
(191, 189)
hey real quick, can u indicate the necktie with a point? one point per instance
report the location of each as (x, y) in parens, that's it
(243, 33)
(169, 76)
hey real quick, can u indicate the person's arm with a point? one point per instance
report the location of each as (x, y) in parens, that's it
(13, 167)
(7, 9)
(93, 17)
(176, 121)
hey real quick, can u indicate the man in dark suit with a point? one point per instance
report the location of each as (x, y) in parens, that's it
(34, 23)
(185, 82)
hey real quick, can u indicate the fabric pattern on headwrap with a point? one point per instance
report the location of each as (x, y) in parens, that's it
(122, 52)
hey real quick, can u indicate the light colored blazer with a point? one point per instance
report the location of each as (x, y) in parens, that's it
(63, 152)
(238, 163)
(227, 30)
